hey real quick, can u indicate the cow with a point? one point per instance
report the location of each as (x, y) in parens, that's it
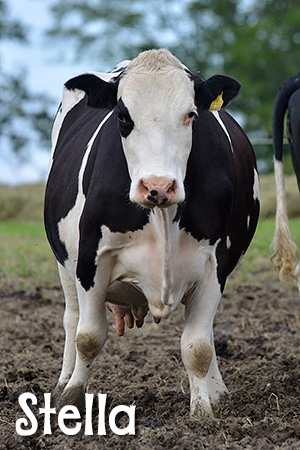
(283, 249)
(152, 199)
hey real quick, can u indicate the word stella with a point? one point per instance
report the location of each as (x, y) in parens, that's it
(71, 412)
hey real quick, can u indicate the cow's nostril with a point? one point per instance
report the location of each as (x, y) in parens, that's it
(172, 187)
(143, 187)
(153, 192)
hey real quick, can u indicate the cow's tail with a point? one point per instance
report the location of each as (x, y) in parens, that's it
(283, 248)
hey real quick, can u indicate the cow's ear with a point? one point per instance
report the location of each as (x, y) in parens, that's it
(216, 92)
(101, 94)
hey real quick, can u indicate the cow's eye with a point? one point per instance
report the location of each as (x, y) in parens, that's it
(125, 124)
(189, 116)
(121, 119)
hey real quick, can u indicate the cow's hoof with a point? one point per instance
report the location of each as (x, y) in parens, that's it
(219, 397)
(73, 395)
(201, 409)
(56, 393)
(217, 392)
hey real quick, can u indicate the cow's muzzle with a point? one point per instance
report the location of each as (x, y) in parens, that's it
(157, 191)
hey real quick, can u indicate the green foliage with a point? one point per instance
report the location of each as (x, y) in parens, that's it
(254, 41)
(10, 28)
(24, 116)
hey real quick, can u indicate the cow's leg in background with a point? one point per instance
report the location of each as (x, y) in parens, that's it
(71, 316)
(197, 347)
(91, 334)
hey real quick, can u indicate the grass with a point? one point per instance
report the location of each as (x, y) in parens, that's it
(26, 258)
(22, 203)
(256, 260)
(268, 196)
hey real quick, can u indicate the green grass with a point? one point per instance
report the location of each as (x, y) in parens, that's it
(22, 203)
(256, 260)
(26, 258)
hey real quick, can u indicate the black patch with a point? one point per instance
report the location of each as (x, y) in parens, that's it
(207, 91)
(101, 94)
(293, 133)
(106, 186)
(244, 205)
(219, 190)
(126, 124)
(209, 182)
(280, 106)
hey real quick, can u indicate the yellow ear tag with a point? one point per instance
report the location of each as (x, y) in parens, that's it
(216, 105)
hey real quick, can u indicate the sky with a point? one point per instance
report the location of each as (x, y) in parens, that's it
(44, 74)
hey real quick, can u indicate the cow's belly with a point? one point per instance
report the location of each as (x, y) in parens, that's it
(162, 272)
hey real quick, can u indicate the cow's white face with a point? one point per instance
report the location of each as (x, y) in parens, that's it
(155, 112)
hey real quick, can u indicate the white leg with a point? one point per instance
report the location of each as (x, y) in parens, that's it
(216, 386)
(197, 350)
(91, 335)
(70, 325)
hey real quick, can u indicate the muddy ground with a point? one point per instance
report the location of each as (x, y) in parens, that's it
(257, 331)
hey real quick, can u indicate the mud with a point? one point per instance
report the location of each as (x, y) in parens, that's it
(257, 333)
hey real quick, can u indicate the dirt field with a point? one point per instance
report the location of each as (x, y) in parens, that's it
(257, 330)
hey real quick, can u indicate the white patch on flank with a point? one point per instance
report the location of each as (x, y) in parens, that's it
(228, 242)
(69, 100)
(217, 116)
(248, 221)
(256, 194)
(68, 227)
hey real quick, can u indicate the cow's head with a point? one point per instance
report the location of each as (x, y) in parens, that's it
(156, 100)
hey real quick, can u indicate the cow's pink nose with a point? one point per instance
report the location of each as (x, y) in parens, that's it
(157, 191)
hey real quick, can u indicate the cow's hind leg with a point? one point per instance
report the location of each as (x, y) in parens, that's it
(197, 348)
(71, 315)
(90, 337)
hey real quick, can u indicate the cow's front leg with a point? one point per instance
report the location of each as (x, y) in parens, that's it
(70, 325)
(90, 337)
(198, 353)
(216, 386)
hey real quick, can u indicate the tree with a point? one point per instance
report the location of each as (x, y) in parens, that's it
(24, 116)
(256, 41)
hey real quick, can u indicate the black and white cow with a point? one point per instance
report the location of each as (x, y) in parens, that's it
(283, 252)
(151, 200)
